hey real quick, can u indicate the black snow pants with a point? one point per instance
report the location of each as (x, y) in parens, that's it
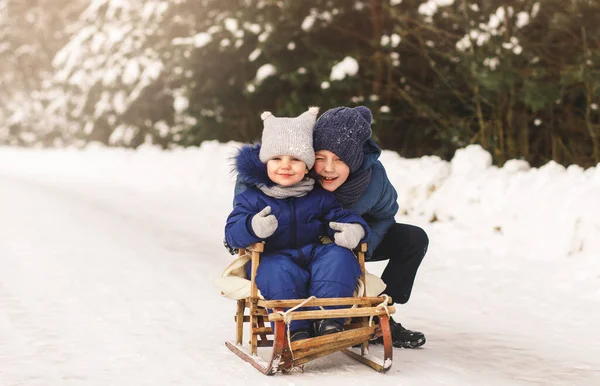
(405, 246)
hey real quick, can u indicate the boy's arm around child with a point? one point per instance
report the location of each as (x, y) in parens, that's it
(345, 227)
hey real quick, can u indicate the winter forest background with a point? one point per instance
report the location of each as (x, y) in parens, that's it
(521, 78)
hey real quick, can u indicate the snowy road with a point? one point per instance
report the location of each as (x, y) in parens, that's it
(102, 285)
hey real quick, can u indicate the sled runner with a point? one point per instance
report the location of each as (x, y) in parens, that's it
(285, 355)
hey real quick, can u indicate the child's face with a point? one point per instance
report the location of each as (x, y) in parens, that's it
(333, 172)
(285, 170)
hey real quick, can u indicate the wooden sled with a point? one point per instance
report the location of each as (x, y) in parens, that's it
(285, 356)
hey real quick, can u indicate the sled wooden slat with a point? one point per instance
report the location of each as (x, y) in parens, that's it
(326, 339)
(337, 313)
(286, 355)
(262, 330)
(246, 318)
(351, 326)
(317, 352)
(323, 302)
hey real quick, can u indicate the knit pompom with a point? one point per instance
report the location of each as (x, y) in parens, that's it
(314, 110)
(265, 115)
(366, 113)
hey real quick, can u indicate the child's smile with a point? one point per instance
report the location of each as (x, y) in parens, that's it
(333, 172)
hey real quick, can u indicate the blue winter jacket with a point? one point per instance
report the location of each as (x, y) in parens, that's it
(301, 220)
(377, 205)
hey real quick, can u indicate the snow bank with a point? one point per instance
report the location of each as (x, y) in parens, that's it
(550, 211)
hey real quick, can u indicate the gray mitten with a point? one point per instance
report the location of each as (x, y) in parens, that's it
(348, 235)
(264, 223)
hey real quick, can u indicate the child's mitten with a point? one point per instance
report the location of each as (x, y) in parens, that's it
(348, 235)
(264, 223)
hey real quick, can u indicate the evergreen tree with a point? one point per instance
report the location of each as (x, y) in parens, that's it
(518, 77)
(31, 32)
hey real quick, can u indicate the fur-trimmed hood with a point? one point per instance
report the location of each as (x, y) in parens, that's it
(251, 171)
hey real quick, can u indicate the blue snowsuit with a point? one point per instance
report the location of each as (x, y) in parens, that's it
(295, 264)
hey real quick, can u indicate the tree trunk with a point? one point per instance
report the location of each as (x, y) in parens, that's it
(483, 135)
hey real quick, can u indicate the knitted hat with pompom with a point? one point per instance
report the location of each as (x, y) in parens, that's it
(289, 136)
(343, 131)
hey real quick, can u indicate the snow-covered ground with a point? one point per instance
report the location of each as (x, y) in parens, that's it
(107, 256)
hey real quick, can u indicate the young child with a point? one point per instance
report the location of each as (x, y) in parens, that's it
(283, 207)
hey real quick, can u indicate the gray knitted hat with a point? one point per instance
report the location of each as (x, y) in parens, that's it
(289, 136)
(343, 131)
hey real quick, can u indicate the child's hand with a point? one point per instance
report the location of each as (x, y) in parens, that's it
(348, 235)
(264, 223)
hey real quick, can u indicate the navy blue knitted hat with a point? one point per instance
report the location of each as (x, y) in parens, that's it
(343, 131)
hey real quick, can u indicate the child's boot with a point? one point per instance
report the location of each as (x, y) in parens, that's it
(327, 326)
(302, 333)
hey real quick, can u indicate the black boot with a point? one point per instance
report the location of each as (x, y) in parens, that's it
(401, 337)
(326, 327)
(302, 333)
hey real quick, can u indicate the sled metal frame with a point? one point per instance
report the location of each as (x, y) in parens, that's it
(353, 341)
